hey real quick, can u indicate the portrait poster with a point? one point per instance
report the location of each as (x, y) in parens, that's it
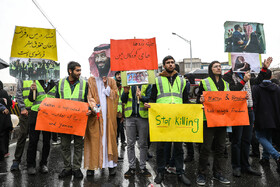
(151, 77)
(34, 54)
(62, 116)
(134, 54)
(244, 37)
(242, 62)
(34, 69)
(226, 108)
(137, 77)
(100, 61)
(176, 122)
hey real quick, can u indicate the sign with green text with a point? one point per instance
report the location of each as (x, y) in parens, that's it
(176, 122)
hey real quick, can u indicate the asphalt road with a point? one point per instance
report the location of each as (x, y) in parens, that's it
(101, 178)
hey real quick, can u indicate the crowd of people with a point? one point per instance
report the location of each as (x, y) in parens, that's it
(111, 106)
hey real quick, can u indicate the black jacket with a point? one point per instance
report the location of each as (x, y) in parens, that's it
(266, 97)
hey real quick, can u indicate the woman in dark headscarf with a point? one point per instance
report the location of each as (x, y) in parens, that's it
(5, 122)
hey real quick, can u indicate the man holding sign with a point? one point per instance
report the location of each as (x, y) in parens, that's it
(242, 135)
(171, 89)
(213, 83)
(72, 88)
(44, 89)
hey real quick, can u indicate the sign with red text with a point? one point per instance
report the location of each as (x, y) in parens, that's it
(226, 108)
(62, 116)
(134, 54)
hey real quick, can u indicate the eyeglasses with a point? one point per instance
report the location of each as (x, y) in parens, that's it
(218, 66)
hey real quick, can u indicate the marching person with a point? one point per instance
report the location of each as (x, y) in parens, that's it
(213, 83)
(72, 88)
(169, 88)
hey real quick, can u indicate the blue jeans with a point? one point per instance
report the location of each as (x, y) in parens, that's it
(264, 136)
(240, 144)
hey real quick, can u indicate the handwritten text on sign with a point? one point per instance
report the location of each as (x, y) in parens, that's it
(34, 43)
(225, 108)
(176, 122)
(62, 116)
(133, 54)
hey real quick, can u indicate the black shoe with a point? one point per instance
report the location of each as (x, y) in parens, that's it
(220, 178)
(159, 178)
(90, 173)
(65, 173)
(264, 162)
(15, 166)
(184, 179)
(144, 172)
(78, 173)
(44, 169)
(31, 171)
(251, 171)
(188, 159)
(120, 159)
(112, 171)
(236, 172)
(129, 173)
(201, 180)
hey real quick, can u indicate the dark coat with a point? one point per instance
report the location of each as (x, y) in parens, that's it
(266, 97)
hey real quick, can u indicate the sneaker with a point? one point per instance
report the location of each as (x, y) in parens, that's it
(31, 171)
(220, 178)
(7, 155)
(171, 170)
(65, 173)
(57, 142)
(15, 166)
(44, 169)
(201, 180)
(144, 172)
(264, 162)
(129, 173)
(78, 173)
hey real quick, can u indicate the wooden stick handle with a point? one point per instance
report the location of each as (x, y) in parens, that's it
(34, 93)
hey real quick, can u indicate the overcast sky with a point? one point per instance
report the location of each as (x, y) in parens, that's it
(87, 23)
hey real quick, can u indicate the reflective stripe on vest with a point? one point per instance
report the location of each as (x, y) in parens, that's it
(42, 95)
(25, 93)
(66, 93)
(170, 94)
(120, 101)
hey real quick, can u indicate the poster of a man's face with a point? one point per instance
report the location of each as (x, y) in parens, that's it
(242, 62)
(244, 37)
(99, 61)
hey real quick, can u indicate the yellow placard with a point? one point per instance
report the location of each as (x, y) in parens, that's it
(31, 42)
(176, 122)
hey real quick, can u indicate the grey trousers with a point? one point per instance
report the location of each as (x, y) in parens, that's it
(134, 125)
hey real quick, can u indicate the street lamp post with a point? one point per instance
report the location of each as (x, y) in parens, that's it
(189, 42)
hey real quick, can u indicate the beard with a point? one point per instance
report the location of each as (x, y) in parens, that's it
(104, 67)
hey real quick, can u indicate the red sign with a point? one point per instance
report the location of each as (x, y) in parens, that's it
(134, 54)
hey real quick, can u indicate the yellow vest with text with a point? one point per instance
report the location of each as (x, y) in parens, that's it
(41, 95)
(64, 90)
(128, 106)
(209, 85)
(170, 94)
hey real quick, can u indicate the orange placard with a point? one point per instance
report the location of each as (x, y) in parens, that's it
(133, 54)
(225, 108)
(62, 116)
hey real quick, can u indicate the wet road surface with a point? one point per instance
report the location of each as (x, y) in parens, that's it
(101, 178)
